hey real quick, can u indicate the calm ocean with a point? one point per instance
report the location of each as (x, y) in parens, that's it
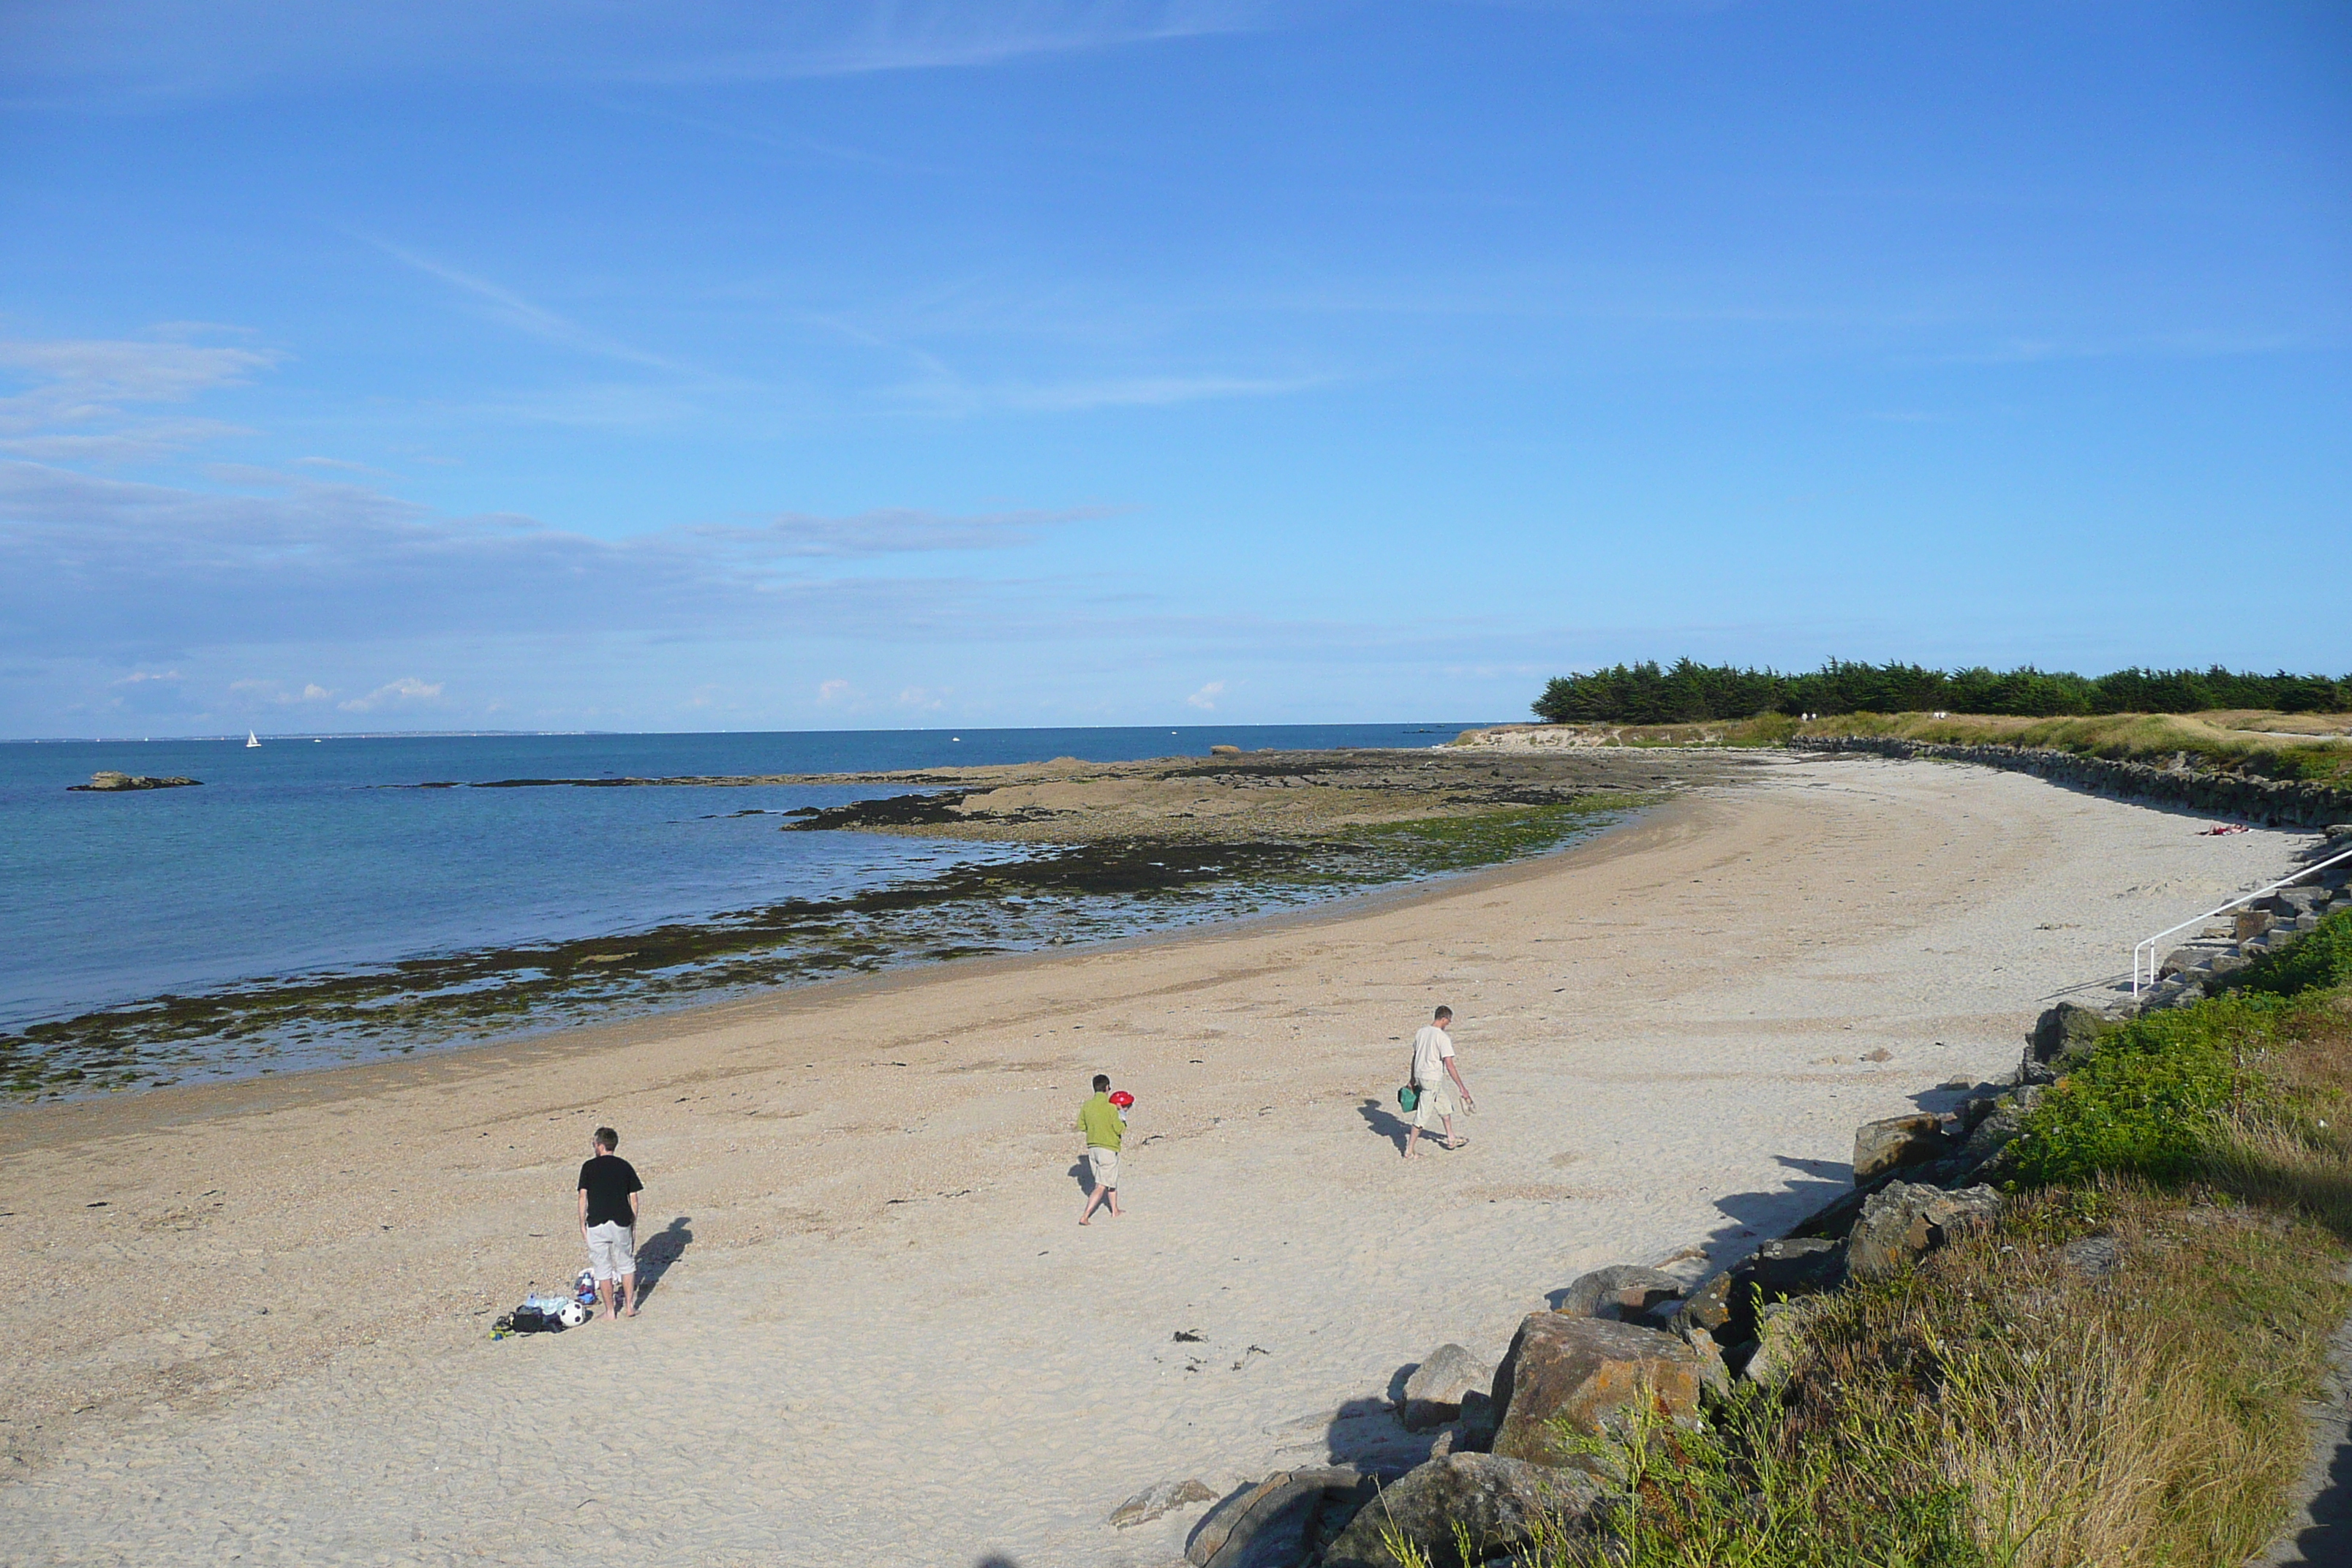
(292, 859)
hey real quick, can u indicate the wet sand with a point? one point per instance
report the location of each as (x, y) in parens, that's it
(880, 1336)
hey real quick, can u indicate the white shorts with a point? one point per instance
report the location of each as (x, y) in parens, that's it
(1437, 1101)
(612, 1250)
(1104, 1164)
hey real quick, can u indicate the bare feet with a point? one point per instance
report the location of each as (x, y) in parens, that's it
(630, 1313)
(1086, 1222)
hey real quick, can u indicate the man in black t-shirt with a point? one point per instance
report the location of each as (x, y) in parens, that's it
(608, 1223)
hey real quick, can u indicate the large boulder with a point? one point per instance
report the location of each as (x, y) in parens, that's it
(1897, 1143)
(1586, 1373)
(1623, 1292)
(1433, 1394)
(1904, 1221)
(1501, 1503)
(2067, 1027)
(1275, 1523)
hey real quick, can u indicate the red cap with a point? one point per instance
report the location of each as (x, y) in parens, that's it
(1123, 1100)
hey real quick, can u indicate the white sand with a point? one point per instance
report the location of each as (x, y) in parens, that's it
(1661, 1029)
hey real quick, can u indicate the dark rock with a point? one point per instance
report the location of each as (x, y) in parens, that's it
(1708, 1307)
(2002, 1124)
(1798, 1265)
(1904, 1221)
(1586, 1371)
(107, 781)
(1970, 1112)
(2066, 1027)
(1275, 1523)
(1433, 1394)
(1499, 1502)
(1895, 1142)
(1167, 1496)
(1623, 1292)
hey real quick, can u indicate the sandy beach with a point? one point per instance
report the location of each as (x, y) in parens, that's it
(252, 1320)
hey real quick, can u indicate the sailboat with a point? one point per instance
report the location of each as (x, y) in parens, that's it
(251, 740)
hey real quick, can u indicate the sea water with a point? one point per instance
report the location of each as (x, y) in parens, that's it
(309, 856)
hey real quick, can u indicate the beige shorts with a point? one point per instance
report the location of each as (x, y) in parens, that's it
(1437, 1099)
(1104, 1164)
(612, 1250)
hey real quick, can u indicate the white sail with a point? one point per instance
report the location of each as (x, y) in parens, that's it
(251, 740)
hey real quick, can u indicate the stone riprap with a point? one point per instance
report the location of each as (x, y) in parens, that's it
(2275, 803)
(1433, 1393)
(1499, 1503)
(1587, 1374)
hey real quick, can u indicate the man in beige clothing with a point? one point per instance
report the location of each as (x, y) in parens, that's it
(1442, 1092)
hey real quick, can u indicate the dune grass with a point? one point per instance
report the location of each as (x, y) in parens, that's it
(2272, 745)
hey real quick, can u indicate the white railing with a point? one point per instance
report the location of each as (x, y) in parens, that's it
(2150, 944)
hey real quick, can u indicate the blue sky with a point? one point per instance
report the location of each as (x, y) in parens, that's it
(859, 366)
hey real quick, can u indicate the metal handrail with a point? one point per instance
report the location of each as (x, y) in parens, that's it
(2150, 943)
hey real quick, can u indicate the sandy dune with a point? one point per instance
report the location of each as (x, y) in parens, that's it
(883, 1338)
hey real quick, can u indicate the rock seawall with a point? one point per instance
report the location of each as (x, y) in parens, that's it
(2274, 803)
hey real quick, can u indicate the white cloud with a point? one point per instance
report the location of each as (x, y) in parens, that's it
(393, 694)
(833, 691)
(139, 677)
(76, 406)
(1206, 698)
(140, 571)
(922, 699)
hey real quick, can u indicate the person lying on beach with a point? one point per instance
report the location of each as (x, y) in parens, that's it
(609, 1192)
(1432, 1066)
(1100, 1120)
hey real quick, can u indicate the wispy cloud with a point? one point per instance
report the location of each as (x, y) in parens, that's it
(525, 315)
(97, 565)
(78, 406)
(1206, 698)
(399, 693)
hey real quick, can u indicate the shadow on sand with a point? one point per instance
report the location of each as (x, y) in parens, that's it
(1386, 1122)
(659, 1251)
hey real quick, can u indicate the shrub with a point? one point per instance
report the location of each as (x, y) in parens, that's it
(2316, 959)
(2148, 1100)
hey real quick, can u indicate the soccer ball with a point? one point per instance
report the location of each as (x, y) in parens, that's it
(572, 1315)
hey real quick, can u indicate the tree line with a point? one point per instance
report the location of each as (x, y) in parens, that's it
(1647, 694)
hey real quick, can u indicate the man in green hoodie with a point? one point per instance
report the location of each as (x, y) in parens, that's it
(1098, 1119)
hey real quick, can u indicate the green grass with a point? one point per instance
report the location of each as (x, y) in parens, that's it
(2221, 741)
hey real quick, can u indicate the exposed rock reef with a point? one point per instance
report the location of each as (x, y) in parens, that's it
(1258, 795)
(107, 782)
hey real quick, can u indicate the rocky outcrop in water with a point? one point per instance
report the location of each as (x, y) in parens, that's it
(107, 781)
